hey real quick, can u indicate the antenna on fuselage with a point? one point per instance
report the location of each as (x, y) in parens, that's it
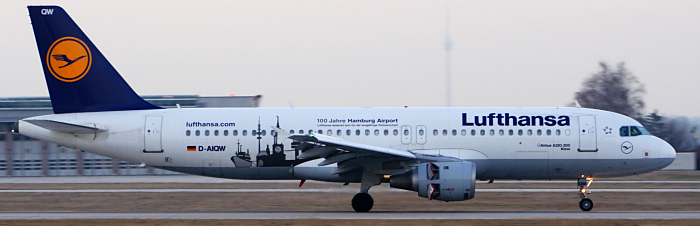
(577, 104)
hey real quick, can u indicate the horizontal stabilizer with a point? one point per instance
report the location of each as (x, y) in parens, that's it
(65, 127)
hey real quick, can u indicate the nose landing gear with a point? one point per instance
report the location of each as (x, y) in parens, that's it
(585, 204)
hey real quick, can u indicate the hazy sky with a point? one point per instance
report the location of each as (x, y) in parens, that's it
(376, 53)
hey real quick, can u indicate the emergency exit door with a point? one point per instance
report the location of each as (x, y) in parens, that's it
(406, 134)
(421, 135)
(152, 140)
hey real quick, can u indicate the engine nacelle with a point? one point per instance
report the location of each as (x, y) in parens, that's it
(446, 181)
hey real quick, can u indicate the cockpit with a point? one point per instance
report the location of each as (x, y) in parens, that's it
(630, 131)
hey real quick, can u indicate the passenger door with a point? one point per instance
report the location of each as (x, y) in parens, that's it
(152, 134)
(588, 141)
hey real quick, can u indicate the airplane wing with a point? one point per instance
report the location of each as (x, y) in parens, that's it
(65, 127)
(336, 150)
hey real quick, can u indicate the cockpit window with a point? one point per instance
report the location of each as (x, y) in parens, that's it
(638, 130)
(644, 131)
(624, 131)
(633, 131)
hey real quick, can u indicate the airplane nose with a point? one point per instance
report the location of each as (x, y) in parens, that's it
(666, 152)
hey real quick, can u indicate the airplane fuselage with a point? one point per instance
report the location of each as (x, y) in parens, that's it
(505, 143)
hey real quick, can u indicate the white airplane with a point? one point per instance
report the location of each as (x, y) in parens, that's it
(437, 152)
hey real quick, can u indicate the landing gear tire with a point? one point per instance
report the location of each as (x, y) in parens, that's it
(586, 204)
(362, 202)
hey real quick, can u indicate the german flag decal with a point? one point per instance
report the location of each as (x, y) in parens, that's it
(191, 148)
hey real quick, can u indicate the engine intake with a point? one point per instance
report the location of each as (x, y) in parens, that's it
(446, 181)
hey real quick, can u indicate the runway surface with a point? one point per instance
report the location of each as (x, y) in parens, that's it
(329, 190)
(352, 215)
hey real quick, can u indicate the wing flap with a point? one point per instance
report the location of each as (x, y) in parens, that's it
(64, 127)
(340, 158)
(318, 152)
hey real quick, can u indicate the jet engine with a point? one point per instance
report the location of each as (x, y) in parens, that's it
(446, 181)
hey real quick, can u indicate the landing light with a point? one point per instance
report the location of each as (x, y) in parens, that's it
(387, 176)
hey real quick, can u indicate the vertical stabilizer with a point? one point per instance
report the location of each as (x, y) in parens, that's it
(79, 77)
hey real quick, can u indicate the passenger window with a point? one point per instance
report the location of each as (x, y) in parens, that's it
(338, 132)
(357, 132)
(510, 132)
(529, 132)
(188, 133)
(491, 132)
(501, 132)
(421, 132)
(235, 132)
(196, 133)
(396, 132)
(366, 132)
(464, 132)
(264, 132)
(549, 132)
(301, 131)
(254, 133)
(216, 132)
(206, 132)
(624, 131)
(435, 132)
(386, 132)
(454, 132)
(311, 131)
(539, 132)
(320, 131)
(405, 132)
(444, 132)
(473, 132)
(348, 132)
(376, 132)
(329, 132)
(557, 132)
(244, 133)
(520, 132)
(225, 132)
(483, 132)
(290, 132)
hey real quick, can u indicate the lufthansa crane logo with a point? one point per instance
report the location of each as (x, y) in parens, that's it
(69, 59)
(626, 147)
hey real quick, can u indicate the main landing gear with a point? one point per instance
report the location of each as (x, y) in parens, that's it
(363, 202)
(585, 204)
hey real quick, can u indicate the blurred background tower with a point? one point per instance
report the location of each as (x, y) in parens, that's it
(448, 49)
